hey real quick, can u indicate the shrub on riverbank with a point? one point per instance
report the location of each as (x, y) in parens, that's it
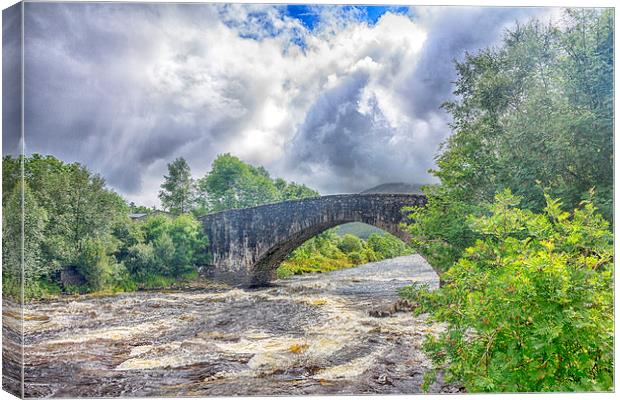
(329, 252)
(528, 307)
(163, 248)
(528, 292)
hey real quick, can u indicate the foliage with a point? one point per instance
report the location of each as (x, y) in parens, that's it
(359, 229)
(329, 252)
(140, 260)
(188, 243)
(98, 265)
(292, 190)
(319, 254)
(12, 245)
(137, 209)
(439, 231)
(527, 295)
(386, 246)
(165, 246)
(232, 183)
(128, 234)
(534, 112)
(529, 307)
(177, 191)
(73, 221)
(349, 244)
(538, 109)
(66, 208)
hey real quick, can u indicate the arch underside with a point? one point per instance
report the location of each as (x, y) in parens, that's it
(265, 268)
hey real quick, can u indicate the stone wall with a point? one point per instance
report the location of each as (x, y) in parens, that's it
(247, 245)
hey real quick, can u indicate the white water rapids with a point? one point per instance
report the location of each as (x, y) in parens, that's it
(312, 334)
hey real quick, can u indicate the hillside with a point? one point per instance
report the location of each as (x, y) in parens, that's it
(396, 187)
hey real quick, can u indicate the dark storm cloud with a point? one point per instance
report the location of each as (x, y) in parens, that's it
(89, 94)
(358, 152)
(11, 80)
(452, 33)
(346, 150)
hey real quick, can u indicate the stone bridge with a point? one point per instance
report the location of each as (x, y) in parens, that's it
(247, 245)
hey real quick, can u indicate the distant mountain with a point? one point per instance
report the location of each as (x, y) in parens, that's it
(396, 187)
(358, 229)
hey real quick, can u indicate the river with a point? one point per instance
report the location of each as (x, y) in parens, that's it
(337, 332)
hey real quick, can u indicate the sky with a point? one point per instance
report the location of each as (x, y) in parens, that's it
(340, 98)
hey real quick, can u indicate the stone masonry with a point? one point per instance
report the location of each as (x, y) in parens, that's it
(247, 245)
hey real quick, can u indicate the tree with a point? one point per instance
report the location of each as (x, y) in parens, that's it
(140, 260)
(327, 252)
(387, 246)
(529, 307)
(177, 190)
(189, 244)
(537, 109)
(232, 183)
(134, 208)
(293, 191)
(66, 206)
(73, 221)
(535, 112)
(31, 266)
(350, 243)
(96, 262)
(528, 293)
(67, 209)
(166, 246)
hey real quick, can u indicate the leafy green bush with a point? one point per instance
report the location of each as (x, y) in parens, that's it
(380, 247)
(164, 255)
(439, 231)
(96, 262)
(140, 260)
(166, 246)
(350, 244)
(529, 307)
(189, 244)
(356, 258)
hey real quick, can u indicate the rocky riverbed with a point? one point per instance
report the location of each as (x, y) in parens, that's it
(338, 332)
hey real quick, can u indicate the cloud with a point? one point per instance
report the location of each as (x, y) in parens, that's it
(126, 88)
(11, 80)
(382, 122)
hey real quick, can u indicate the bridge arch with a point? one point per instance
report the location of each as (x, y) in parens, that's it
(247, 245)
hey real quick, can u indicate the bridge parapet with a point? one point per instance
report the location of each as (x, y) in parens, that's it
(247, 245)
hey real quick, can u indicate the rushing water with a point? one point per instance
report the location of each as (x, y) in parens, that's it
(337, 332)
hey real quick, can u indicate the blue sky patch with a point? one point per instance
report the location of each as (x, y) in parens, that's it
(310, 15)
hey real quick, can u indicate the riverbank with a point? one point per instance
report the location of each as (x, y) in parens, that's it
(337, 332)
